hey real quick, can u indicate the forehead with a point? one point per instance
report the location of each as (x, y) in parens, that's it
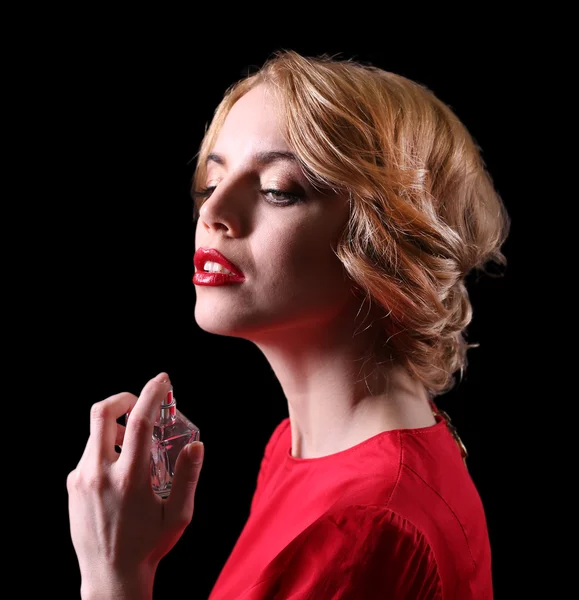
(253, 125)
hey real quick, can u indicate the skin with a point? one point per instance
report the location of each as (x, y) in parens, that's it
(120, 529)
(293, 279)
(296, 303)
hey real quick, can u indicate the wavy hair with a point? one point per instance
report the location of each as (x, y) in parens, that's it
(424, 212)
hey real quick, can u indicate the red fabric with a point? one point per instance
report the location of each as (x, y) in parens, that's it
(395, 517)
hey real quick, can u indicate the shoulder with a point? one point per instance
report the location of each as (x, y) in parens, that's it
(367, 551)
(372, 537)
(375, 530)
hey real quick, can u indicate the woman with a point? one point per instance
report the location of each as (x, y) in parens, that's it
(340, 208)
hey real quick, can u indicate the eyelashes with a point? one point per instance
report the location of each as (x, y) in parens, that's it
(272, 196)
(199, 196)
(281, 197)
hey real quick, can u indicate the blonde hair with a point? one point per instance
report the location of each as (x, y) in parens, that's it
(424, 210)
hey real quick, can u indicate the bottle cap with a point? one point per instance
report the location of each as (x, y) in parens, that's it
(169, 400)
(169, 406)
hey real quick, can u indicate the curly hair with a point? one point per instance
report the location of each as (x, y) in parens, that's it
(424, 211)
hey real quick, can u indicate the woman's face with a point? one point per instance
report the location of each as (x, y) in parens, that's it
(276, 231)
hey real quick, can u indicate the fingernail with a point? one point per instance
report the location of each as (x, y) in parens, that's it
(162, 377)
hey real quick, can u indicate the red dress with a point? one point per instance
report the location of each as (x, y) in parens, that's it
(394, 517)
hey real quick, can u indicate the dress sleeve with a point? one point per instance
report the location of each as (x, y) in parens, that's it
(363, 553)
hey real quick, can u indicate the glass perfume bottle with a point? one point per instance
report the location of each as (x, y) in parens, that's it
(171, 433)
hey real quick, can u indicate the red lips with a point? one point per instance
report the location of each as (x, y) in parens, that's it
(202, 277)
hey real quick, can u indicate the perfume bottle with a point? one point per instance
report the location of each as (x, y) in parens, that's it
(171, 433)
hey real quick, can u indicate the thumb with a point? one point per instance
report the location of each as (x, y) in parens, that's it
(182, 498)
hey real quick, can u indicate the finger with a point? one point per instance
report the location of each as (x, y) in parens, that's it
(181, 502)
(103, 425)
(120, 435)
(137, 441)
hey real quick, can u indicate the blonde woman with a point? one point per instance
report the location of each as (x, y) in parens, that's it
(339, 209)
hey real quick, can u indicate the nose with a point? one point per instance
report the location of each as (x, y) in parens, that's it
(223, 210)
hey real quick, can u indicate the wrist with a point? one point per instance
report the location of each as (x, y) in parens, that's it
(117, 586)
(117, 590)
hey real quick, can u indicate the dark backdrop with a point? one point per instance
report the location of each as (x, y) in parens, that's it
(119, 124)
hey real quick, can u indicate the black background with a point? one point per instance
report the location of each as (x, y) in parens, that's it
(117, 118)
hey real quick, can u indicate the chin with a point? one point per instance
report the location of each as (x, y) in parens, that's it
(212, 320)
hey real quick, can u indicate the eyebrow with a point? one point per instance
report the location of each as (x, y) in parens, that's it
(263, 158)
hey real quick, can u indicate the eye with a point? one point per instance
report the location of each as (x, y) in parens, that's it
(204, 193)
(272, 195)
(199, 196)
(281, 198)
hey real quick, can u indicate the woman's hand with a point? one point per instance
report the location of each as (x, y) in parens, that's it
(120, 528)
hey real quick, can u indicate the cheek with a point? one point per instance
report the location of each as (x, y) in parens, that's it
(306, 261)
(197, 232)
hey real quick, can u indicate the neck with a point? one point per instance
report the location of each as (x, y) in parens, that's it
(338, 393)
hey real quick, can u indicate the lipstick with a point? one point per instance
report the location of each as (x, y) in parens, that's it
(204, 255)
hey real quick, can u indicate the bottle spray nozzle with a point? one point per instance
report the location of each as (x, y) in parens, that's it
(168, 407)
(169, 400)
